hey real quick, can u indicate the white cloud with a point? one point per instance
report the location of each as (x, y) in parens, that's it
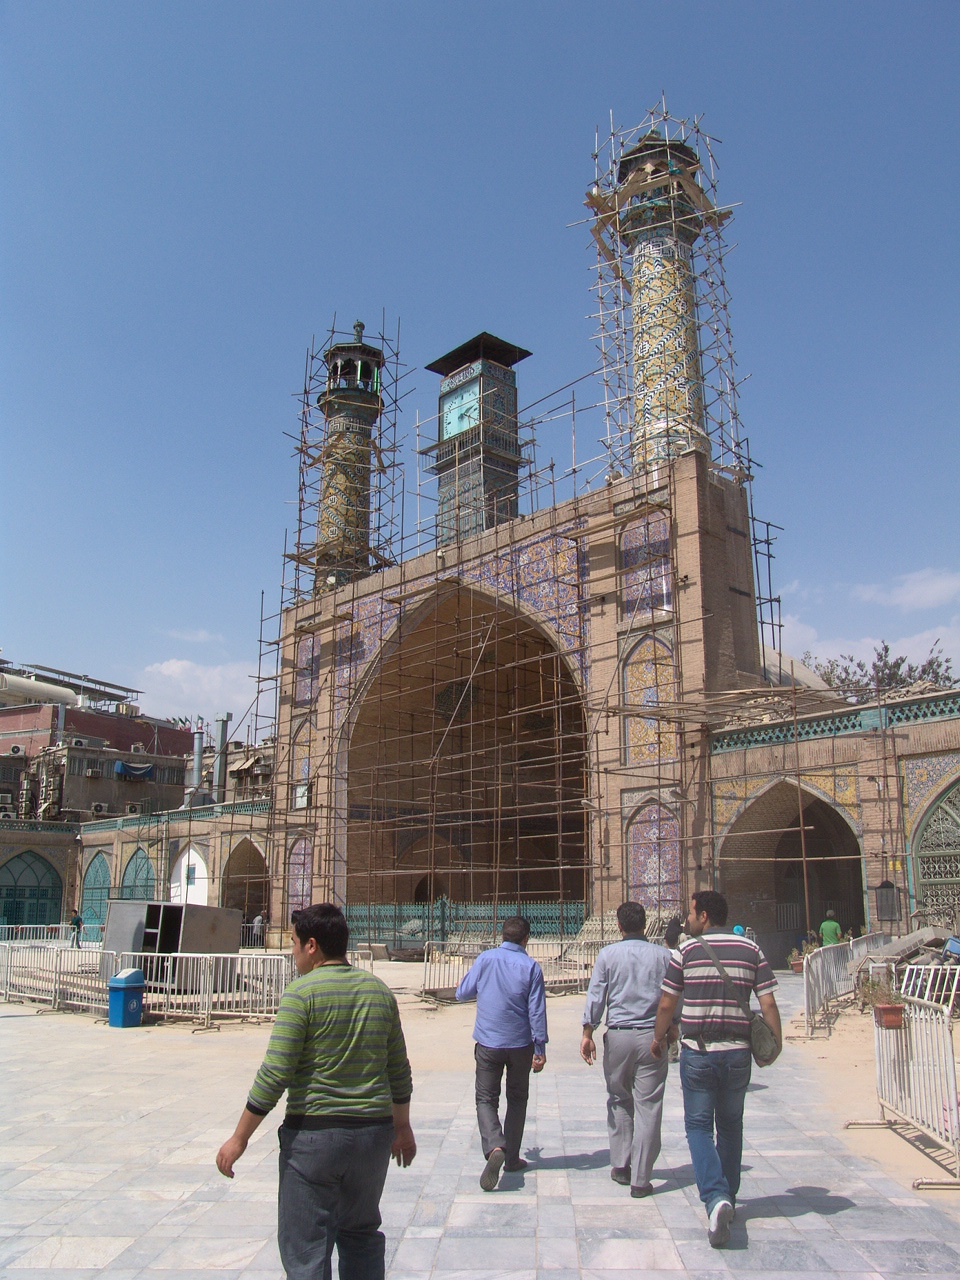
(178, 687)
(798, 636)
(922, 589)
(195, 637)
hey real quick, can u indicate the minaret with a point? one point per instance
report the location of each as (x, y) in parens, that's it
(661, 211)
(351, 404)
(477, 457)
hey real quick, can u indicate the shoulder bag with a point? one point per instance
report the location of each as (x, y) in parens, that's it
(764, 1045)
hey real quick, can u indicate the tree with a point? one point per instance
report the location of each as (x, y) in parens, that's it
(860, 682)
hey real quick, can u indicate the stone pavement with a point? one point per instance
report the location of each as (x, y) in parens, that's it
(108, 1137)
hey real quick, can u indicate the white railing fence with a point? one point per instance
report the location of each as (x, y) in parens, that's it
(830, 972)
(917, 1080)
(62, 977)
(566, 966)
(202, 988)
(937, 983)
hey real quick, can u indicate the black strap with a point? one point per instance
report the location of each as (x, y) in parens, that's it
(744, 1005)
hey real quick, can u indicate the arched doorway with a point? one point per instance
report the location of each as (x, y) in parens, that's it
(246, 885)
(761, 869)
(189, 881)
(96, 892)
(139, 881)
(466, 758)
(937, 859)
(31, 891)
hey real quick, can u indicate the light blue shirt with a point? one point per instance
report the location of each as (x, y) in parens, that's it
(627, 978)
(511, 1001)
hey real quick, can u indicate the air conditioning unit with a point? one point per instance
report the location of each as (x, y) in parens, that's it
(138, 749)
(7, 813)
(92, 773)
(135, 807)
(78, 742)
(6, 798)
(98, 808)
(16, 750)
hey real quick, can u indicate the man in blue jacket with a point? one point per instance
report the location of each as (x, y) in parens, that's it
(510, 1032)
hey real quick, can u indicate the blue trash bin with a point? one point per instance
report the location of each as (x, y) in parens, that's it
(125, 998)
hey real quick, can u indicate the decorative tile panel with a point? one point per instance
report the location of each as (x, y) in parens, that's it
(653, 843)
(649, 677)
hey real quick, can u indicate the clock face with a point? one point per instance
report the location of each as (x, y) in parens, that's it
(460, 409)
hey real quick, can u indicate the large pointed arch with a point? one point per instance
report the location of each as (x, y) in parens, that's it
(245, 883)
(96, 891)
(760, 866)
(469, 727)
(31, 891)
(936, 856)
(139, 880)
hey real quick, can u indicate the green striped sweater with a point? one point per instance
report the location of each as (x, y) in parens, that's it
(337, 1048)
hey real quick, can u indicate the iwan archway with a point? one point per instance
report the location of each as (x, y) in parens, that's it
(770, 875)
(464, 770)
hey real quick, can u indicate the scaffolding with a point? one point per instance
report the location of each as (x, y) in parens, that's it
(517, 713)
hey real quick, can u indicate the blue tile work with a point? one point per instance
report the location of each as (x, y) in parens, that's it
(922, 777)
(653, 840)
(543, 575)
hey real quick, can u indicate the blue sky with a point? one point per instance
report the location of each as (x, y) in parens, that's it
(191, 190)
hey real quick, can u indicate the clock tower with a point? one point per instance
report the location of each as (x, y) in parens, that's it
(477, 456)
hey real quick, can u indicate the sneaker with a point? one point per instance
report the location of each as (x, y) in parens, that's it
(491, 1170)
(621, 1175)
(639, 1192)
(721, 1215)
(515, 1166)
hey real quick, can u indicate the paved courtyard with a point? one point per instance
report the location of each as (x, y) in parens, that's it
(108, 1140)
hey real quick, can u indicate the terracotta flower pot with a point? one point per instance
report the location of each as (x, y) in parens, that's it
(796, 966)
(888, 1016)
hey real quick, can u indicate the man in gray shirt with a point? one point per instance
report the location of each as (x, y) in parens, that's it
(627, 978)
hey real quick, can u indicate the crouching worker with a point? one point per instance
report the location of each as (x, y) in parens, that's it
(337, 1048)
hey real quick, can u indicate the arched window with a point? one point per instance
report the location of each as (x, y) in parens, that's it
(139, 880)
(31, 891)
(96, 891)
(938, 857)
(653, 843)
(648, 680)
(300, 874)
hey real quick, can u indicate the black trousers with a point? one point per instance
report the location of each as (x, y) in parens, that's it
(490, 1068)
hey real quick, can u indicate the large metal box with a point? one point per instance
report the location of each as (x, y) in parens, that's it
(166, 928)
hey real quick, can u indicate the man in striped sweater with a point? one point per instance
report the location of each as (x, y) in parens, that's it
(715, 1057)
(337, 1048)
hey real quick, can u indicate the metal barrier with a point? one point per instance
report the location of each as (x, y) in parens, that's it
(201, 988)
(937, 983)
(566, 966)
(204, 987)
(917, 1080)
(830, 972)
(826, 975)
(62, 977)
(866, 945)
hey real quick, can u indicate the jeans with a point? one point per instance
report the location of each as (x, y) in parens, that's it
(714, 1087)
(331, 1181)
(490, 1065)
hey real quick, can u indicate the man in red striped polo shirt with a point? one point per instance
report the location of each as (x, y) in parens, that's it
(715, 1058)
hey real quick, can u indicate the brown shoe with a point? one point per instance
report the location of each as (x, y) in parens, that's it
(639, 1192)
(621, 1175)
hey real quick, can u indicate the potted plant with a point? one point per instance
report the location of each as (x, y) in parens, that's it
(796, 957)
(886, 1001)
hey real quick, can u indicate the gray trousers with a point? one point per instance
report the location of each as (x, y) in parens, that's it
(330, 1186)
(635, 1083)
(490, 1067)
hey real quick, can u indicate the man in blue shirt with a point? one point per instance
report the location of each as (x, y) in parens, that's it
(511, 1032)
